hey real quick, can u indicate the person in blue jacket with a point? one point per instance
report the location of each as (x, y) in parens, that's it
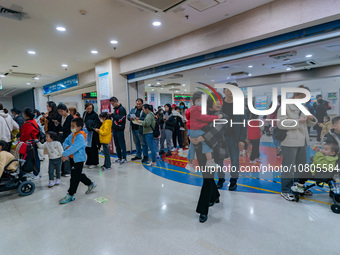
(74, 148)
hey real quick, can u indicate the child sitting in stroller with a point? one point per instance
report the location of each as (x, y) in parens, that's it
(323, 167)
(6, 158)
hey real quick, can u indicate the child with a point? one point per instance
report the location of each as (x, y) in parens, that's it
(254, 136)
(74, 146)
(197, 122)
(326, 159)
(54, 151)
(326, 126)
(6, 158)
(105, 137)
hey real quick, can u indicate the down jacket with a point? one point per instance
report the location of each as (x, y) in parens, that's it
(7, 125)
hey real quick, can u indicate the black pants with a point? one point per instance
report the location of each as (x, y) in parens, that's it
(255, 151)
(92, 154)
(209, 192)
(318, 130)
(177, 136)
(66, 167)
(77, 176)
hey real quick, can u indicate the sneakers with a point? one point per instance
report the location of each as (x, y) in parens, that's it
(278, 152)
(136, 158)
(180, 150)
(92, 166)
(233, 184)
(67, 175)
(68, 198)
(33, 177)
(288, 196)
(220, 183)
(145, 159)
(298, 188)
(252, 161)
(123, 161)
(90, 188)
(203, 217)
(51, 184)
(174, 149)
(105, 168)
(151, 164)
(158, 156)
(190, 167)
(57, 182)
(117, 161)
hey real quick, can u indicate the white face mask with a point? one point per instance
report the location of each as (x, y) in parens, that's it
(73, 130)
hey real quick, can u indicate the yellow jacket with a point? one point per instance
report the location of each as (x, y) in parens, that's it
(105, 134)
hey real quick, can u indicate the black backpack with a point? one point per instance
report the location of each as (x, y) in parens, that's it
(41, 136)
(156, 130)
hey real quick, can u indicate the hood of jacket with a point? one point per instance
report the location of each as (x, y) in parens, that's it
(176, 113)
(4, 115)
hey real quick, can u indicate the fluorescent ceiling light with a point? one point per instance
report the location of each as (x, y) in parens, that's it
(32, 52)
(309, 56)
(288, 69)
(94, 51)
(36, 78)
(28, 83)
(250, 66)
(113, 42)
(64, 65)
(62, 29)
(158, 83)
(156, 23)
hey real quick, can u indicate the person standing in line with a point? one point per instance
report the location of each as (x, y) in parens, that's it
(294, 145)
(118, 126)
(74, 147)
(235, 136)
(63, 125)
(185, 131)
(105, 137)
(51, 116)
(137, 113)
(54, 151)
(177, 135)
(73, 111)
(92, 121)
(321, 107)
(148, 125)
(254, 136)
(7, 126)
(167, 124)
(273, 116)
(30, 131)
(17, 117)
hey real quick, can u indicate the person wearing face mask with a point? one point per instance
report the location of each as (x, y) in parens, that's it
(105, 137)
(321, 107)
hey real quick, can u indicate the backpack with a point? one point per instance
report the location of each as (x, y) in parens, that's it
(156, 130)
(41, 136)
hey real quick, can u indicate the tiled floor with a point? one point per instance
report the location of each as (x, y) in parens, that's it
(149, 214)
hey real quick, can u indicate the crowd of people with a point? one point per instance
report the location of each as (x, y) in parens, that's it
(71, 140)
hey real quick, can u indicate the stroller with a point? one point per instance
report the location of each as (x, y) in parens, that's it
(334, 192)
(16, 180)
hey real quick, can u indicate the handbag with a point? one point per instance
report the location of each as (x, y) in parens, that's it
(281, 134)
(11, 131)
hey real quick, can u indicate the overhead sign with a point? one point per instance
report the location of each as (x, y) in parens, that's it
(91, 95)
(66, 83)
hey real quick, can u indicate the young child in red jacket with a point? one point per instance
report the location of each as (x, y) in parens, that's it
(254, 136)
(195, 122)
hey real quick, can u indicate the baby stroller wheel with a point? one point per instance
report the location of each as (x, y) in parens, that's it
(26, 188)
(335, 208)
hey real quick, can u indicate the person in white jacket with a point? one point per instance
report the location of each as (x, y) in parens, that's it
(7, 125)
(294, 153)
(54, 151)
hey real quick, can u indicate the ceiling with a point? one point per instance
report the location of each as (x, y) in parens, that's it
(105, 20)
(324, 53)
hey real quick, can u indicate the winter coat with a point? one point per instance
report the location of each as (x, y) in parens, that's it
(254, 131)
(105, 133)
(7, 125)
(198, 120)
(29, 131)
(118, 118)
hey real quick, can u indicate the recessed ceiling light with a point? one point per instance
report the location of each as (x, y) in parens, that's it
(161, 88)
(250, 74)
(250, 66)
(183, 85)
(153, 89)
(36, 78)
(64, 65)
(212, 80)
(176, 91)
(62, 29)
(158, 83)
(228, 78)
(94, 51)
(185, 90)
(28, 83)
(156, 23)
(288, 69)
(172, 86)
(309, 56)
(113, 42)
(31, 52)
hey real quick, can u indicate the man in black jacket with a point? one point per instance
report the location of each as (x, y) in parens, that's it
(118, 126)
(321, 107)
(235, 137)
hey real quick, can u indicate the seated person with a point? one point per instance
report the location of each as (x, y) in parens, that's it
(6, 158)
(323, 166)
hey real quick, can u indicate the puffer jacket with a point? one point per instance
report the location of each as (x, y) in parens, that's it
(296, 136)
(7, 125)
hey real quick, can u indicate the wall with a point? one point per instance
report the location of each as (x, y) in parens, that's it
(23, 100)
(40, 100)
(7, 102)
(75, 100)
(259, 23)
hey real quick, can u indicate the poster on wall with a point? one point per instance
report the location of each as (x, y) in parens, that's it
(152, 100)
(104, 88)
(313, 95)
(261, 103)
(105, 106)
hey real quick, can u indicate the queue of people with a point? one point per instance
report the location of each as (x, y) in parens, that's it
(72, 141)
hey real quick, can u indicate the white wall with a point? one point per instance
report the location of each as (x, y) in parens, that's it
(40, 100)
(73, 100)
(7, 102)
